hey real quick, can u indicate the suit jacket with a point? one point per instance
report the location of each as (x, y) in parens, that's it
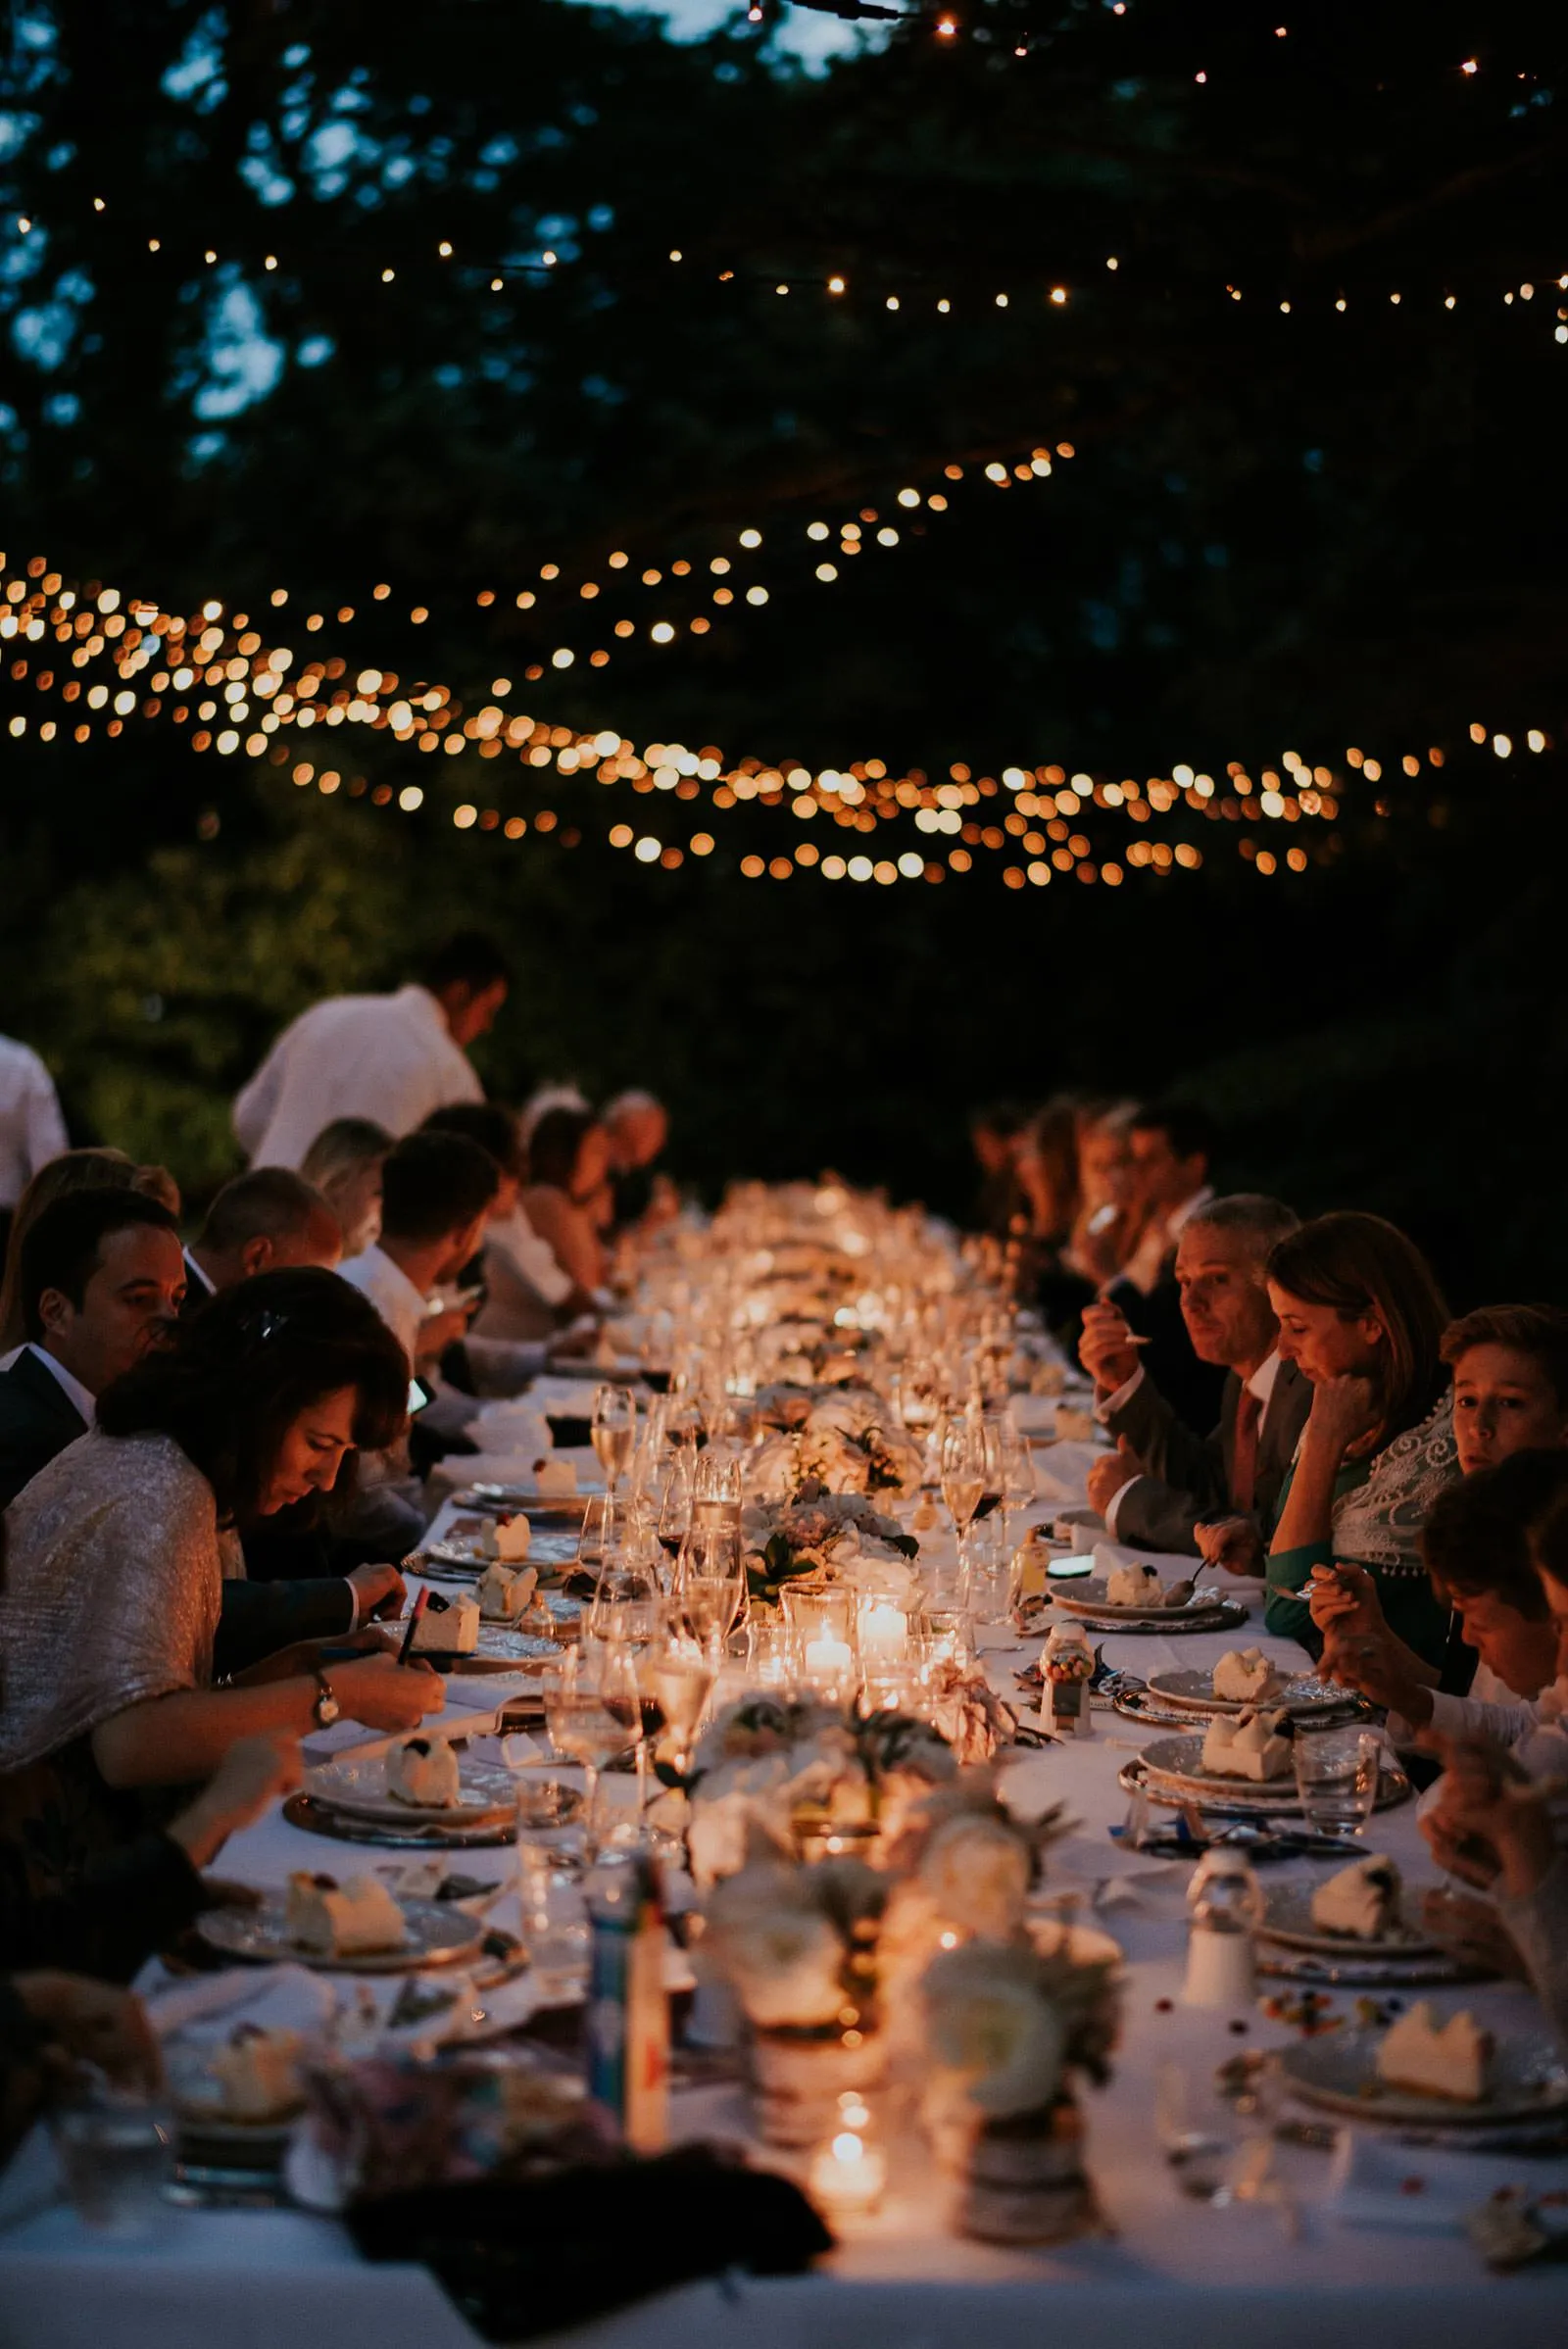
(38, 1419)
(1191, 1474)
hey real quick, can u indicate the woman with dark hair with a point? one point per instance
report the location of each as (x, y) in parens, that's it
(116, 1552)
(528, 1296)
(1361, 1312)
(568, 1165)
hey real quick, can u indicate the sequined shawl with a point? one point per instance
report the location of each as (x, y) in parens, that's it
(113, 1571)
(1378, 1523)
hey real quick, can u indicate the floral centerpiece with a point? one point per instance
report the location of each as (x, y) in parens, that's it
(793, 1772)
(848, 1443)
(797, 1945)
(815, 1530)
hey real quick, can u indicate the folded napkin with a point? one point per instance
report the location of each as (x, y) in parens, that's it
(511, 1426)
(209, 2006)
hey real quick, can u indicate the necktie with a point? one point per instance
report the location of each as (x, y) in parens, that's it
(1243, 1451)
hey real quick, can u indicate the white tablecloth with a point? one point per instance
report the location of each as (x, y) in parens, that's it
(1193, 2275)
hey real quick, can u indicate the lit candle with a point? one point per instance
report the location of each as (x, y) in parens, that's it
(828, 1660)
(884, 1631)
(848, 2176)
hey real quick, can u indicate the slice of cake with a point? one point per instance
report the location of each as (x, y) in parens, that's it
(1251, 1744)
(1074, 1425)
(504, 1593)
(448, 1627)
(1244, 1673)
(257, 2075)
(326, 1919)
(557, 1478)
(423, 1771)
(1448, 2059)
(514, 1536)
(1361, 1901)
(1134, 1587)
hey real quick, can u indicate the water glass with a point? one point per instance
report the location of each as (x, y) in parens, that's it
(1337, 1779)
(115, 2152)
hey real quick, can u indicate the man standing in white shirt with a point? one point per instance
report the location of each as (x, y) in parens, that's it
(389, 1057)
(31, 1128)
(1162, 1476)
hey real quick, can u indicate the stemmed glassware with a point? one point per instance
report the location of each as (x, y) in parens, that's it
(711, 1587)
(674, 1521)
(963, 1475)
(593, 1713)
(614, 1431)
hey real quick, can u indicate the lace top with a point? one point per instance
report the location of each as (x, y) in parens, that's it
(1378, 1523)
(114, 1568)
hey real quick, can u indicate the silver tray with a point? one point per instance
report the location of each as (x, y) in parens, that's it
(436, 1936)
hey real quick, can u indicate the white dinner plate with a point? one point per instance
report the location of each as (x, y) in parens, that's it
(1193, 1691)
(1289, 1921)
(356, 1783)
(1337, 2072)
(437, 1935)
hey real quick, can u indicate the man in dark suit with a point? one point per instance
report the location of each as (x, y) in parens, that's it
(1162, 1477)
(1173, 1148)
(264, 1221)
(101, 1280)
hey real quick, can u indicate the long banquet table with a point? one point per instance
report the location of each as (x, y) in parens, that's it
(1377, 2260)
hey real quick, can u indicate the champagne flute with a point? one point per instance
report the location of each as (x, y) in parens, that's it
(675, 1505)
(592, 1714)
(964, 1480)
(613, 1430)
(681, 1678)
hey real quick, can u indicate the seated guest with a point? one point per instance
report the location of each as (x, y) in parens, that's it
(129, 1903)
(1361, 1316)
(1476, 1547)
(117, 1553)
(638, 1127)
(1490, 1825)
(995, 1136)
(101, 1278)
(1510, 1381)
(268, 1220)
(72, 1170)
(389, 1057)
(568, 1162)
(1162, 1477)
(101, 1283)
(528, 1296)
(1170, 1148)
(51, 2024)
(344, 1162)
(436, 1192)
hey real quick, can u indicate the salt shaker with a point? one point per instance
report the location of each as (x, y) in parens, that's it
(1226, 1904)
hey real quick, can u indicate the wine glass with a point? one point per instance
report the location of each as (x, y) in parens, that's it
(613, 1430)
(676, 1677)
(711, 1587)
(963, 1475)
(592, 1714)
(676, 1506)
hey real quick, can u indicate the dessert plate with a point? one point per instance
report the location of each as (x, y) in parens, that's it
(505, 1643)
(1289, 1921)
(1220, 1615)
(436, 1935)
(356, 1783)
(1088, 1599)
(1171, 1770)
(1193, 1691)
(1337, 2072)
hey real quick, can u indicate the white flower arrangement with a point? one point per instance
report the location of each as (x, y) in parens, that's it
(795, 1943)
(1005, 2026)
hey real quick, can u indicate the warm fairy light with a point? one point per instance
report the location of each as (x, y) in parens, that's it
(835, 285)
(946, 29)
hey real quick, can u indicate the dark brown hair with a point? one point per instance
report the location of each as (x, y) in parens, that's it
(1361, 1265)
(1477, 1532)
(240, 1372)
(1540, 1330)
(556, 1144)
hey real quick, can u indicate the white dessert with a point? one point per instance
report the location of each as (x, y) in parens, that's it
(257, 2075)
(1361, 1901)
(1134, 1587)
(1074, 1425)
(1244, 1673)
(504, 1593)
(448, 1627)
(557, 1478)
(1448, 2059)
(423, 1771)
(326, 1919)
(1248, 1745)
(513, 1538)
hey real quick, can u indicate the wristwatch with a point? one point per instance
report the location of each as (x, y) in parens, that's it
(328, 1709)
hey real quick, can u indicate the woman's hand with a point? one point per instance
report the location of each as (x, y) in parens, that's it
(250, 1776)
(1344, 1410)
(1344, 1597)
(386, 1695)
(1233, 1544)
(93, 2023)
(1373, 1666)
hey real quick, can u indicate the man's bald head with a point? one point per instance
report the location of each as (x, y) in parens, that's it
(638, 1126)
(269, 1220)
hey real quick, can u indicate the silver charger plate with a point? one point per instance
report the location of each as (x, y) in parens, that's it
(504, 1642)
(1338, 2073)
(1353, 1973)
(1242, 1798)
(1089, 1598)
(1227, 1616)
(1289, 1920)
(342, 1827)
(540, 1508)
(437, 1936)
(356, 1783)
(1192, 1692)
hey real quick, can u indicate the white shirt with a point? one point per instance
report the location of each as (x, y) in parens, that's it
(514, 1238)
(1260, 1383)
(31, 1128)
(390, 1290)
(389, 1057)
(71, 1386)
